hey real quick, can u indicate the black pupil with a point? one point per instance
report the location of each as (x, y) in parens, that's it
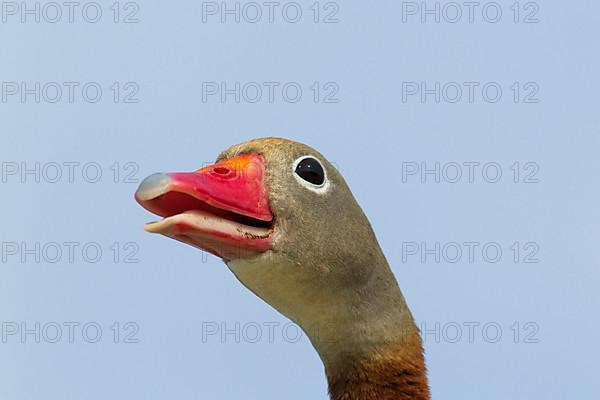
(310, 170)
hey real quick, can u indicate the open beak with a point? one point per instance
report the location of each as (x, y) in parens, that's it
(222, 208)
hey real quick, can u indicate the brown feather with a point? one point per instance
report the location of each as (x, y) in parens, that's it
(396, 372)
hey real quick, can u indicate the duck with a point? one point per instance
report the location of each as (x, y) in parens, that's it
(286, 224)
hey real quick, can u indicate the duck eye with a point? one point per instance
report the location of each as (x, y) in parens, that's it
(311, 171)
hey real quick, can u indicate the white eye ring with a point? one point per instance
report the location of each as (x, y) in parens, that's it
(321, 188)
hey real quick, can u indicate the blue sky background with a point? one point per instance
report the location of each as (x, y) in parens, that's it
(174, 292)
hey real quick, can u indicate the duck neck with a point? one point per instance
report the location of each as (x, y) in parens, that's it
(396, 371)
(373, 350)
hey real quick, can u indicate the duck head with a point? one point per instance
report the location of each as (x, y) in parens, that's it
(286, 224)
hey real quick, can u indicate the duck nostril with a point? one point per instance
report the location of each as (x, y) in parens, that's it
(221, 170)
